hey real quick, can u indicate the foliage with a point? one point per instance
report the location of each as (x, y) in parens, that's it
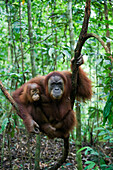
(51, 44)
(98, 159)
(108, 109)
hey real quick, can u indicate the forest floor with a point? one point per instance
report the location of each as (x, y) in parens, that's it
(19, 152)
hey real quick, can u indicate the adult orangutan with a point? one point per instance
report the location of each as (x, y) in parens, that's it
(34, 108)
(58, 90)
(51, 110)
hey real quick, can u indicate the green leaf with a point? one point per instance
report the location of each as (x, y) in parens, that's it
(111, 139)
(68, 164)
(4, 123)
(86, 147)
(107, 137)
(102, 133)
(108, 107)
(94, 153)
(66, 53)
(98, 128)
(14, 75)
(51, 51)
(91, 164)
(98, 61)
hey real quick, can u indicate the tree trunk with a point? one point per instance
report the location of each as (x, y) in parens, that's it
(21, 46)
(71, 28)
(78, 137)
(37, 152)
(30, 31)
(9, 32)
(107, 25)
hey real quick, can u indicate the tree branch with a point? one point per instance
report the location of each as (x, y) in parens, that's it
(78, 49)
(89, 35)
(8, 96)
(84, 29)
(11, 100)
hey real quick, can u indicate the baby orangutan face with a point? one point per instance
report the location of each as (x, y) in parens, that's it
(34, 92)
(31, 93)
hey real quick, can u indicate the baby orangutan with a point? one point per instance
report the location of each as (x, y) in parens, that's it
(31, 93)
(31, 98)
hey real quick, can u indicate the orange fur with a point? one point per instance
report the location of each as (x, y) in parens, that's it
(55, 117)
(84, 88)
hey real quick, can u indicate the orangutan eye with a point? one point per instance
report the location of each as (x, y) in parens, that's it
(32, 91)
(53, 84)
(59, 84)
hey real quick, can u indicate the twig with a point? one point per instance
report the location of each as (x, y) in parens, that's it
(110, 162)
(35, 44)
